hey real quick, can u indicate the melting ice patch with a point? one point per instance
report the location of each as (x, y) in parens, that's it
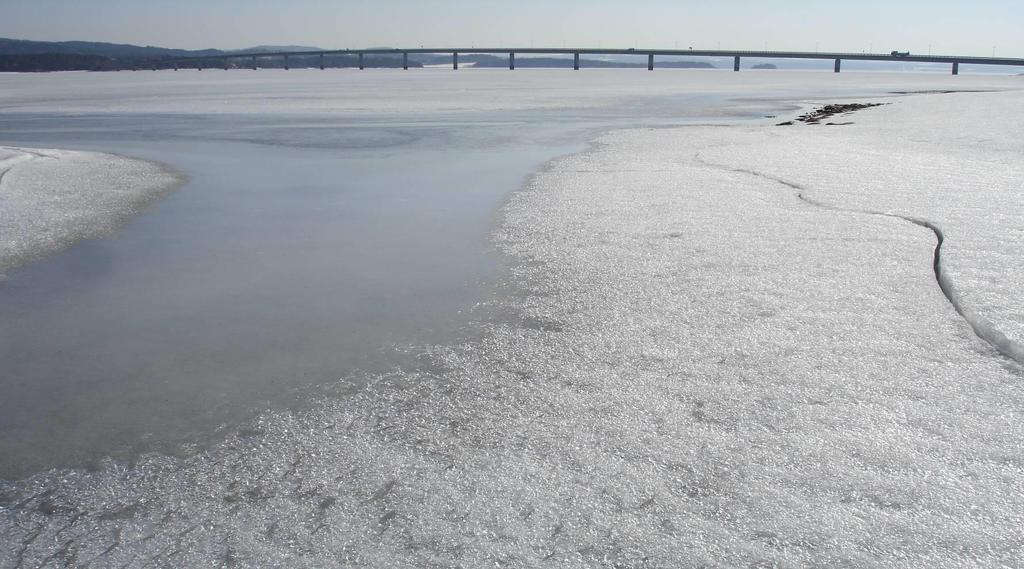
(51, 198)
(715, 374)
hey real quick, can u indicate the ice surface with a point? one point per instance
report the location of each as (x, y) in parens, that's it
(190, 322)
(953, 160)
(704, 370)
(52, 198)
(390, 92)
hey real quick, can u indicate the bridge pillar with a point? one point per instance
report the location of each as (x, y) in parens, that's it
(286, 63)
(455, 60)
(650, 62)
(511, 60)
(405, 60)
(361, 61)
(839, 63)
(254, 63)
(321, 62)
(175, 66)
(736, 63)
(576, 61)
(956, 68)
(225, 65)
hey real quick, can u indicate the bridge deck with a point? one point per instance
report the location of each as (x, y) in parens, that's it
(949, 59)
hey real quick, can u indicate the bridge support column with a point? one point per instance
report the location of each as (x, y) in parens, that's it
(576, 61)
(361, 61)
(321, 62)
(254, 63)
(650, 62)
(225, 65)
(405, 60)
(736, 63)
(511, 60)
(286, 63)
(839, 63)
(956, 68)
(455, 60)
(175, 66)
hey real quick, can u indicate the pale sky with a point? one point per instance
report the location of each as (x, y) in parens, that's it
(976, 27)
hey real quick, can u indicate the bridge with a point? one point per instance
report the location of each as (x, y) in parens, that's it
(953, 61)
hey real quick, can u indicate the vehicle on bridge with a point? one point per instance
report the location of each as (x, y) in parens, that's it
(899, 53)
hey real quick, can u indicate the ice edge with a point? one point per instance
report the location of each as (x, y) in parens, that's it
(150, 181)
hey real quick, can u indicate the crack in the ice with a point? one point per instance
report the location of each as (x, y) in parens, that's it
(30, 155)
(26, 543)
(982, 328)
(4, 173)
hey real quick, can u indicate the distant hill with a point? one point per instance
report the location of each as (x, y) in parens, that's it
(330, 61)
(28, 55)
(28, 62)
(110, 50)
(117, 50)
(278, 48)
(36, 56)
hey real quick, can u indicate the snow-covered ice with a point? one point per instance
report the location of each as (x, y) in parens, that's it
(695, 367)
(51, 198)
(942, 159)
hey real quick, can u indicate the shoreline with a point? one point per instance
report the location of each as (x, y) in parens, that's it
(53, 199)
(703, 359)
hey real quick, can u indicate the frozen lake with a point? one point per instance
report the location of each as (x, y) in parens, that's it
(279, 265)
(690, 356)
(330, 221)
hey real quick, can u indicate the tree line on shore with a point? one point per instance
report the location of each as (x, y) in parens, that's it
(43, 62)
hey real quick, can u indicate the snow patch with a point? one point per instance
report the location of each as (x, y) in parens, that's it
(50, 199)
(982, 328)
